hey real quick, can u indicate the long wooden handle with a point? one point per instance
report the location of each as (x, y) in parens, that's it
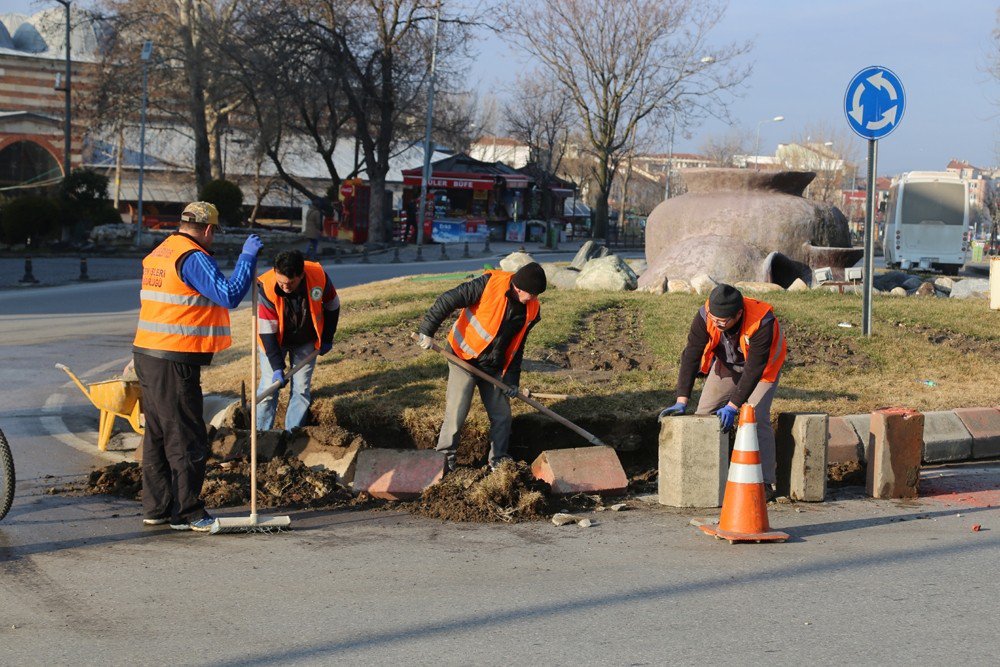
(253, 405)
(295, 369)
(590, 437)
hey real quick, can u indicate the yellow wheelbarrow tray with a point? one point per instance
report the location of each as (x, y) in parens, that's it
(114, 398)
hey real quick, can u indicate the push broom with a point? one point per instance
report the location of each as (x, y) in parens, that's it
(253, 523)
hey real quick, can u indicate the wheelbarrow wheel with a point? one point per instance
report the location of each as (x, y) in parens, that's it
(6, 476)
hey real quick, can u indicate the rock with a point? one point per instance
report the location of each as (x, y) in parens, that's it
(798, 285)
(944, 283)
(638, 265)
(925, 289)
(747, 286)
(320, 454)
(588, 251)
(551, 269)
(609, 273)
(898, 291)
(703, 283)
(229, 444)
(565, 278)
(585, 523)
(619, 507)
(842, 289)
(731, 222)
(971, 288)
(562, 519)
(887, 281)
(680, 287)
(657, 287)
(515, 261)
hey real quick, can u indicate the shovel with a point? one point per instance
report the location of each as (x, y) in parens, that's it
(590, 437)
(274, 386)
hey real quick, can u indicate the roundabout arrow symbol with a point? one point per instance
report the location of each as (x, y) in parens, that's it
(878, 81)
(857, 111)
(888, 118)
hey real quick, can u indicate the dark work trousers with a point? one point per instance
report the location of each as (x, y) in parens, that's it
(175, 444)
(458, 399)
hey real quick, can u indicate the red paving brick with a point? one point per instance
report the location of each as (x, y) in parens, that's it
(581, 470)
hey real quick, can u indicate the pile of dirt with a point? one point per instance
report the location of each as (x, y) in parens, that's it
(510, 494)
(388, 344)
(850, 473)
(281, 482)
(960, 342)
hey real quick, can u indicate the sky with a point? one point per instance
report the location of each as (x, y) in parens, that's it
(805, 54)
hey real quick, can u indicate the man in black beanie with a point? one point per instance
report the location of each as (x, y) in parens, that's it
(498, 310)
(739, 345)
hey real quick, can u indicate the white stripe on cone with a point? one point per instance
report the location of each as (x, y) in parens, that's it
(745, 473)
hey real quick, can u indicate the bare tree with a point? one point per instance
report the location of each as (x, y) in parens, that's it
(723, 149)
(539, 115)
(622, 62)
(383, 50)
(830, 151)
(191, 85)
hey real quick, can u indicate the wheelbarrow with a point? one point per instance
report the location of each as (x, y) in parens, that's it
(114, 398)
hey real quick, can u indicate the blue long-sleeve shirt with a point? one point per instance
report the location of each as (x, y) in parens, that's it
(200, 272)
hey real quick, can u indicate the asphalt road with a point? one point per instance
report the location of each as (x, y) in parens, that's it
(861, 581)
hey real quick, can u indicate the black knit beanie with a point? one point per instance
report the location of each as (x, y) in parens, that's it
(725, 301)
(530, 278)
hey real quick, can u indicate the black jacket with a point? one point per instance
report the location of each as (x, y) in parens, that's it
(492, 358)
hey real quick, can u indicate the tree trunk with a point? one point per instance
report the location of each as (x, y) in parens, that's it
(376, 219)
(604, 178)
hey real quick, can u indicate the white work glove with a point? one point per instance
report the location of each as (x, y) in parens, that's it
(425, 341)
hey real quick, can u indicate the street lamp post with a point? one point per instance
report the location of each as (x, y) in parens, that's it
(425, 176)
(67, 136)
(147, 51)
(756, 144)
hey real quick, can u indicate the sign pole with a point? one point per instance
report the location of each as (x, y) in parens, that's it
(866, 299)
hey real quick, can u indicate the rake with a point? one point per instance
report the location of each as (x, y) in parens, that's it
(252, 523)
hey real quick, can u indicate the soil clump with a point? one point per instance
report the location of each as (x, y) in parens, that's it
(508, 494)
(621, 348)
(823, 349)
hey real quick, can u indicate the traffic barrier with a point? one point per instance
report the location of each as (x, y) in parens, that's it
(465, 251)
(28, 278)
(744, 508)
(444, 251)
(84, 275)
(420, 254)
(364, 255)
(395, 255)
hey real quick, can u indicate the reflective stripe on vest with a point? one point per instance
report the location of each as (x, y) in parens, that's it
(754, 313)
(478, 325)
(315, 279)
(174, 317)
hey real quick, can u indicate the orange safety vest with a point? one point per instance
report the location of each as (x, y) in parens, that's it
(173, 316)
(753, 314)
(315, 278)
(478, 325)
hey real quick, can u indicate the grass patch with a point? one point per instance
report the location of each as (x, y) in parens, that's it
(377, 381)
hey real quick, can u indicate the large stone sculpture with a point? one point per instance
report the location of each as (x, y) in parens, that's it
(742, 225)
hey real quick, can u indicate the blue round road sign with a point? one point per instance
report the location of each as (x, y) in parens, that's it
(874, 102)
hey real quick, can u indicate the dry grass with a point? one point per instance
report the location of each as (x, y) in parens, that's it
(954, 343)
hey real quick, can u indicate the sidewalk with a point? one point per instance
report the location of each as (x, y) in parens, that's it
(52, 270)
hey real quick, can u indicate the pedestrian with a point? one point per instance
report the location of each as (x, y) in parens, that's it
(739, 344)
(498, 310)
(297, 314)
(313, 230)
(183, 321)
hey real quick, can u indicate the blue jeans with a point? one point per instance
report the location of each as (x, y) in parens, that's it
(300, 398)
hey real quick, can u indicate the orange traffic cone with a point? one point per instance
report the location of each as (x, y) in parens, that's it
(744, 507)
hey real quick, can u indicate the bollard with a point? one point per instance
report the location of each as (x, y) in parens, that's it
(230, 261)
(444, 251)
(336, 255)
(28, 278)
(486, 246)
(465, 251)
(83, 269)
(395, 255)
(420, 255)
(364, 254)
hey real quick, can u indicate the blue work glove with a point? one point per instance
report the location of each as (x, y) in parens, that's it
(510, 391)
(324, 348)
(252, 245)
(675, 409)
(727, 417)
(279, 376)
